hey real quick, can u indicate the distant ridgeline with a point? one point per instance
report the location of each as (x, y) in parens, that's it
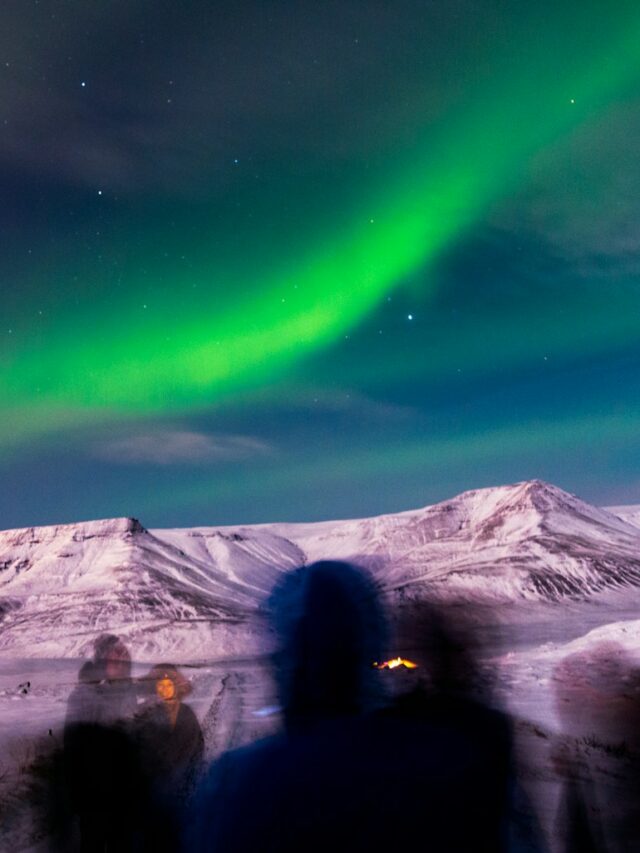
(192, 593)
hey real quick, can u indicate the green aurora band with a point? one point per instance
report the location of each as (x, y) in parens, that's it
(131, 367)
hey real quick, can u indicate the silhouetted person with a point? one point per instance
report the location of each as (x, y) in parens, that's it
(304, 789)
(597, 693)
(171, 747)
(100, 763)
(344, 776)
(447, 698)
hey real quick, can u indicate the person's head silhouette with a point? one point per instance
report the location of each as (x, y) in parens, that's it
(330, 629)
(112, 657)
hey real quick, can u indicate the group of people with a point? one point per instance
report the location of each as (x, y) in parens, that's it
(427, 765)
(356, 766)
(129, 767)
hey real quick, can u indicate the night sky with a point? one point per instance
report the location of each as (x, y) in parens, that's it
(267, 260)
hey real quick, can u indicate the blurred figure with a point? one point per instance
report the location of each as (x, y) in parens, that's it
(597, 694)
(448, 698)
(345, 775)
(330, 627)
(171, 748)
(100, 764)
(308, 788)
(105, 692)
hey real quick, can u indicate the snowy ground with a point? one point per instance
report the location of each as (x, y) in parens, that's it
(550, 584)
(230, 699)
(225, 698)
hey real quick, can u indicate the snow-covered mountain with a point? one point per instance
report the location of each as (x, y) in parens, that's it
(531, 540)
(190, 593)
(627, 513)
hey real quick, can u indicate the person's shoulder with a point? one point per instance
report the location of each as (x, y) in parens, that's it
(150, 705)
(252, 751)
(243, 760)
(187, 714)
(83, 704)
(224, 788)
(232, 778)
(79, 692)
(188, 726)
(146, 713)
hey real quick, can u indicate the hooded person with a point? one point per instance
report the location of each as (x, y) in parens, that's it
(100, 763)
(314, 786)
(346, 773)
(448, 699)
(105, 694)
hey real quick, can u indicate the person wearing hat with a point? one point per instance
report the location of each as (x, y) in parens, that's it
(171, 748)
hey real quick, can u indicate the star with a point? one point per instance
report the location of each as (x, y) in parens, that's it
(409, 316)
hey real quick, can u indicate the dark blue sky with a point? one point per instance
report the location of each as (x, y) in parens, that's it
(172, 179)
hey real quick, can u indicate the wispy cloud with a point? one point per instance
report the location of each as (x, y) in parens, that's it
(327, 400)
(358, 404)
(180, 447)
(582, 198)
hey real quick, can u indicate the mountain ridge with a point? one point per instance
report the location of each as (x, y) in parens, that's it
(189, 591)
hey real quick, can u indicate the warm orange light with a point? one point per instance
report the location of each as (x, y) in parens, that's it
(396, 662)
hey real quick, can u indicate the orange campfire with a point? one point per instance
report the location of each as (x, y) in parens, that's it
(396, 662)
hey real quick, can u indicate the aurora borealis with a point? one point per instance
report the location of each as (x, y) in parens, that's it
(266, 261)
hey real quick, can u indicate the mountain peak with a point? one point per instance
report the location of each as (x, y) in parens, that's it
(527, 540)
(522, 510)
(531, 497)
(105, 528)
(532, 490)
(543, 496)
(108, 527)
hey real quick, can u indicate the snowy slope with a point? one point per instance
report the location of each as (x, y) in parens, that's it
(190, 593)
(63, 585)
(630, 514)
(527, 541)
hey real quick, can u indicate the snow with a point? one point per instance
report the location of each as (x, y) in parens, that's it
(630, 514)
(541, 575)
(191, 593)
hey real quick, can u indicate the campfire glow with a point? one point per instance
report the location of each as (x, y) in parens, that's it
(396, 662)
